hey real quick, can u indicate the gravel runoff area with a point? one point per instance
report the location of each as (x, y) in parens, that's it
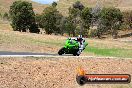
(57, 72)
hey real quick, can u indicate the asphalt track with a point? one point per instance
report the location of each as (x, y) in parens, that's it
(30, 54)
(8, 53)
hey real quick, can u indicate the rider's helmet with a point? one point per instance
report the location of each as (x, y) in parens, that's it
(79, 37)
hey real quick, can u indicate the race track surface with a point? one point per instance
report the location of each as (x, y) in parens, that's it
(26, 54)
(30, 54)
(23, 53)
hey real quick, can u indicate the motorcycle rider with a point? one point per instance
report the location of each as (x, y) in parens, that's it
(81, 41)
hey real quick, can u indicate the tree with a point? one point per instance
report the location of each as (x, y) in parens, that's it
(81, 17)
(110, 21)
(50, 20)
(75, 17)
(127, 18)
(59, 24)
(23, 17)
(78, 5)
(54, 4)
(86, 19)
(69, 26)
(38, 18)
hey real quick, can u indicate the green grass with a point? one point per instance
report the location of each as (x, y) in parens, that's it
(96, 48)
(114, 52)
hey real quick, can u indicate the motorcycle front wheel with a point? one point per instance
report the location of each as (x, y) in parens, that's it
(61, 51)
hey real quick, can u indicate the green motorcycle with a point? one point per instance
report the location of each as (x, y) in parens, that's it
(71, 47)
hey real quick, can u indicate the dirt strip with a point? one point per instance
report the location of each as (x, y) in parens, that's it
(57, 72)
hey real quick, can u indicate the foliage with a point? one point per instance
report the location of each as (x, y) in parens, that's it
(81, 18)
(23, 17)
(38, 20)
(54, 4)
(73, 19)
(73, 12)
(69, 26)
(78, 5)
(110, 21)
(92, 33)
(50, 20)
(127, 19)
(86, 19)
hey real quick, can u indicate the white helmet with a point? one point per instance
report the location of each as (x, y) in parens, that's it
(79, 36)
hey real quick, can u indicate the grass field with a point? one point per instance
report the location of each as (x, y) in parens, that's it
(21, 42)
(115, 52)
(5, 25)
(15, 41)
